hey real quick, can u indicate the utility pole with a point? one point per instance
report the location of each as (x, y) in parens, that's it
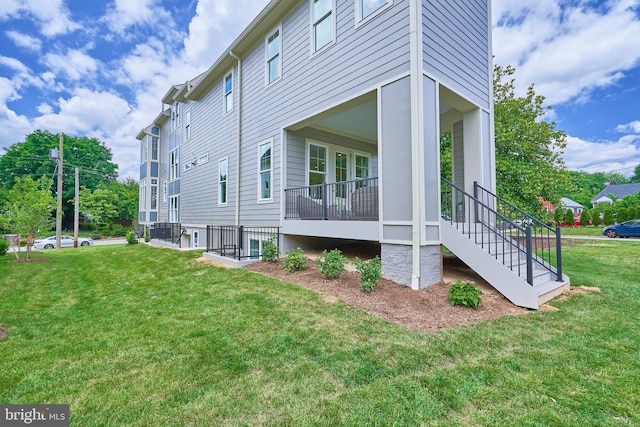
(76, 214)
(59, 210)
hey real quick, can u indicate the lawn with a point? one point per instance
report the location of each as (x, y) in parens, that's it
(152, 337)
(582, 231)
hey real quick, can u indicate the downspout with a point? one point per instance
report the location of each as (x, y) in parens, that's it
(416, 152)
(238, 136)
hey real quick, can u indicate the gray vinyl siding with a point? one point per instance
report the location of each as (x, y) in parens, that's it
(360, 59)
(456, 46)
(297, 146)
(163, 205)
(212, 132)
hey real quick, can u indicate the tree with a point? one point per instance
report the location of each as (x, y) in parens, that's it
(29, 207)
(636, 174)
(98, 205)
(32, 158)
(622, 215)
(445, 156)
(529, 161)
(608, 216)
(558, 216)
(585, 217)
(569, 218)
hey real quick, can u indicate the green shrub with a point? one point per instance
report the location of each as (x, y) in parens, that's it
(464, 293)
(146, 234)
(622, 215)
(569, 218)
(294, 260)
(4, 247)
(585, 216)
(332, 263)
(270, 252)
(370, 272)
(608, 216)
(131, 237)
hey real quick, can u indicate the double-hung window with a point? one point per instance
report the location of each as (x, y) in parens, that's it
(174, 164)
(187, 125)
(228, 93)
(366, 8)
(264, 170)
(274, 62)
(323, 23)
(223, 176)
(154, 194)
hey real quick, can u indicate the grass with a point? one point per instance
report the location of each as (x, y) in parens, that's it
(582, 231)
(151, 337)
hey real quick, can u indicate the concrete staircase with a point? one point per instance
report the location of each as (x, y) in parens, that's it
(499, 258)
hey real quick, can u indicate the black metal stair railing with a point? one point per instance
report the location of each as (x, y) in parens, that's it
(509, 234)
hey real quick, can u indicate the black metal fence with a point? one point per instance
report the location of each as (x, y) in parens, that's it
(355, 200)
(166, 231)
(240, 242)
(508, 233)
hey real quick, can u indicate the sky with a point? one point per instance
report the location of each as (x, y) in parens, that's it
(100, 68)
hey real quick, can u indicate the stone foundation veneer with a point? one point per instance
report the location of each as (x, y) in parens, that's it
(397, 265)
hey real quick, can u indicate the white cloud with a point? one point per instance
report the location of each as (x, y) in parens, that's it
(51, 15)
(633, 127)
(603, 156)
(25, 41)
(75, 64)
(210, 31)
(127, 13)
(86, 111)
(566, 51)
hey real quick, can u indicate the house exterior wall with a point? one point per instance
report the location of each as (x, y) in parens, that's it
(456, 46)
(371, 57)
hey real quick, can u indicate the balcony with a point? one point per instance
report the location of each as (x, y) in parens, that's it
(355, 200)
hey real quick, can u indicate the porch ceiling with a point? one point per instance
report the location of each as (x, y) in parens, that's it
(359, 122)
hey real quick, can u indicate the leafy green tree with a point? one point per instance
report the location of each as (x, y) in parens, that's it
(622, 215)
(569, 218)
(634, 212)
(636, 174)
(445, 156)
(558, 216)
(529, 149)
(31, 157)
(29, 208)
(608, 216)
(98, 205)
(585, 217)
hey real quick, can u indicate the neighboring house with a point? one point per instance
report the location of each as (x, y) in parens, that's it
(567, 203)
(323, 119)
(618, 191)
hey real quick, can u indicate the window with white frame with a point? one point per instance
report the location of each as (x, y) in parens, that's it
(366, 8)
(174, 164)
(323, 23)
(204, 158)
(164, 191)
(274, 61)
(223, 176)
(154, 147)
(154, 194)
(175, 115)
(228, 93)
(196, 239)
(264, 171)
(187, 125)
(143, 150)
(143, 197)
(254, 248)
(361, 168)
(174, 206)
(317, 167)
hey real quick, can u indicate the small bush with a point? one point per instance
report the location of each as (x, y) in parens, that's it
(131, 237)
(370, 272)
(464, 293)
(146, 234)
(332, 263)
(270, 252)
(294, 260)
(4, 247)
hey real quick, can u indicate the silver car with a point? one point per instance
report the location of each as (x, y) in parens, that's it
(65, 242)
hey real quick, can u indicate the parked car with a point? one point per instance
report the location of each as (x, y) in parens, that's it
(65, 242)
(629, 228)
